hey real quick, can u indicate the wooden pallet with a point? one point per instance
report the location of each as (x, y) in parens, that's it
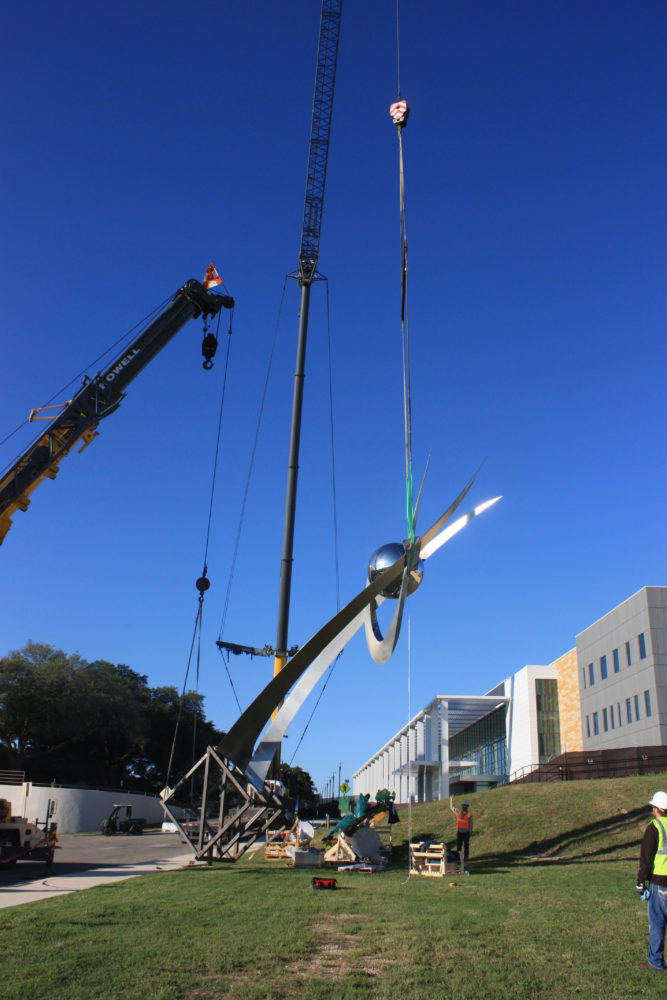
(431, 859)
(277, 851)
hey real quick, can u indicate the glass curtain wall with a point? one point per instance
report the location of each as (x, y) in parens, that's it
(485, 743)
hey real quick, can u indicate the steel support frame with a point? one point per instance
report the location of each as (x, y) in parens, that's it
(237, 827)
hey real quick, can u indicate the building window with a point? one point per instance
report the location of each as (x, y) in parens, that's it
(605, 723)
(583, 671)
(620, 717)
(596, 724)
(628, 708)
(611, 716)
(642, 646)
(636, 708)
(548, 722)
(588, 726)
(591, 674)
(647, 702)
(617, 665)
(627, 654)
(603, 668)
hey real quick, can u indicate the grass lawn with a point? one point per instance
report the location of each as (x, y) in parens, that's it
(549, 910)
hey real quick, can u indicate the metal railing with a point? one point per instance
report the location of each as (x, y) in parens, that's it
(583, 765)
(12, 777)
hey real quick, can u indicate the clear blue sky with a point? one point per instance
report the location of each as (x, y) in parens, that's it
(144, 140)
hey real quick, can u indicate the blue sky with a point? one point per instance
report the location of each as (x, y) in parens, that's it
(142, 141)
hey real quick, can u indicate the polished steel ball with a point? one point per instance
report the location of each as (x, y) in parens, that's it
(386, 556)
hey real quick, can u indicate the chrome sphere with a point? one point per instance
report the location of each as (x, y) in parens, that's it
(386, 556)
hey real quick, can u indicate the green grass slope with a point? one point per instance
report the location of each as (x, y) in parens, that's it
(548, 911)
(576, 820)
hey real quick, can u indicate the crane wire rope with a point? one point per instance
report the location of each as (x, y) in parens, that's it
(329, 673)
(409, 747)
(203, 582)
(217, 444)
(400, 112)
(181, 701)
(405, 344)
(247, 490)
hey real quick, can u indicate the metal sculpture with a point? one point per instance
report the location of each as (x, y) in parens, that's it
(235, 769)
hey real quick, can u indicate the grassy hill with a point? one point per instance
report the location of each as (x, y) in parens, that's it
(549, 911)
(572, 820)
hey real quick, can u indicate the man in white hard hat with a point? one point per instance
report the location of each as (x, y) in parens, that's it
(652, 880)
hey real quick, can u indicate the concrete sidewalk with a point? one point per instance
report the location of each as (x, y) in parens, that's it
(31, 890)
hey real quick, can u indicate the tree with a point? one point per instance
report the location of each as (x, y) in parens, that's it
(298, 783)
(65, 720)
(178, 723)
(37, 687)
(115, 700)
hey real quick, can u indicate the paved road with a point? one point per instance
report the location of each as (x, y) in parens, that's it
(83, 860)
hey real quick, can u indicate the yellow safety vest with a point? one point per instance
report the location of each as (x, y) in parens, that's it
(660, 860)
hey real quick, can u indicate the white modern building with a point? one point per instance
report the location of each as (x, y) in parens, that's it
(622, 662)
(417, 762)
(608, 693)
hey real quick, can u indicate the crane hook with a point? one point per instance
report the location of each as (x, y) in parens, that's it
(208, 348)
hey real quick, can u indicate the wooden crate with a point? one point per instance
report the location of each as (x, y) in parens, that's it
(427, 858)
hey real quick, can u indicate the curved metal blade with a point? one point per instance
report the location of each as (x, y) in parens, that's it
(442, 520)
(453, 529)
(421, 487)
(238, 743)
(381, 647)
(265, 752)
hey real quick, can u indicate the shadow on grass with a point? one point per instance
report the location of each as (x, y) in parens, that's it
(565, 848)
(487, 864)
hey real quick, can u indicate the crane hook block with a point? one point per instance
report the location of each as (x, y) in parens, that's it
(399, 112)
(208, 348)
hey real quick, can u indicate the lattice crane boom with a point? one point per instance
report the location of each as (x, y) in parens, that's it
(320, 131)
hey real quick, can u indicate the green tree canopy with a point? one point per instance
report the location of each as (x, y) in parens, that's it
(298, 783)
(65, 720)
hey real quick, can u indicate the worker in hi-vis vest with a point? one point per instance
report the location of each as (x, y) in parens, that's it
(463, 826)
(652, 880)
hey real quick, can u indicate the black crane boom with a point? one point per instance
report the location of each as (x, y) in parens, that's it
(320, 131)
(98, 398)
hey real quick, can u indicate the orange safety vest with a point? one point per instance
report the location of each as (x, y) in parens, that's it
(463, 820)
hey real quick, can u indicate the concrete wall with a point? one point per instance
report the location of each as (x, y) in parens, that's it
(78, 810)
(522, 739)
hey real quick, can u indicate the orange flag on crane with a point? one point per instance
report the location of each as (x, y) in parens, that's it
(211, 278)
